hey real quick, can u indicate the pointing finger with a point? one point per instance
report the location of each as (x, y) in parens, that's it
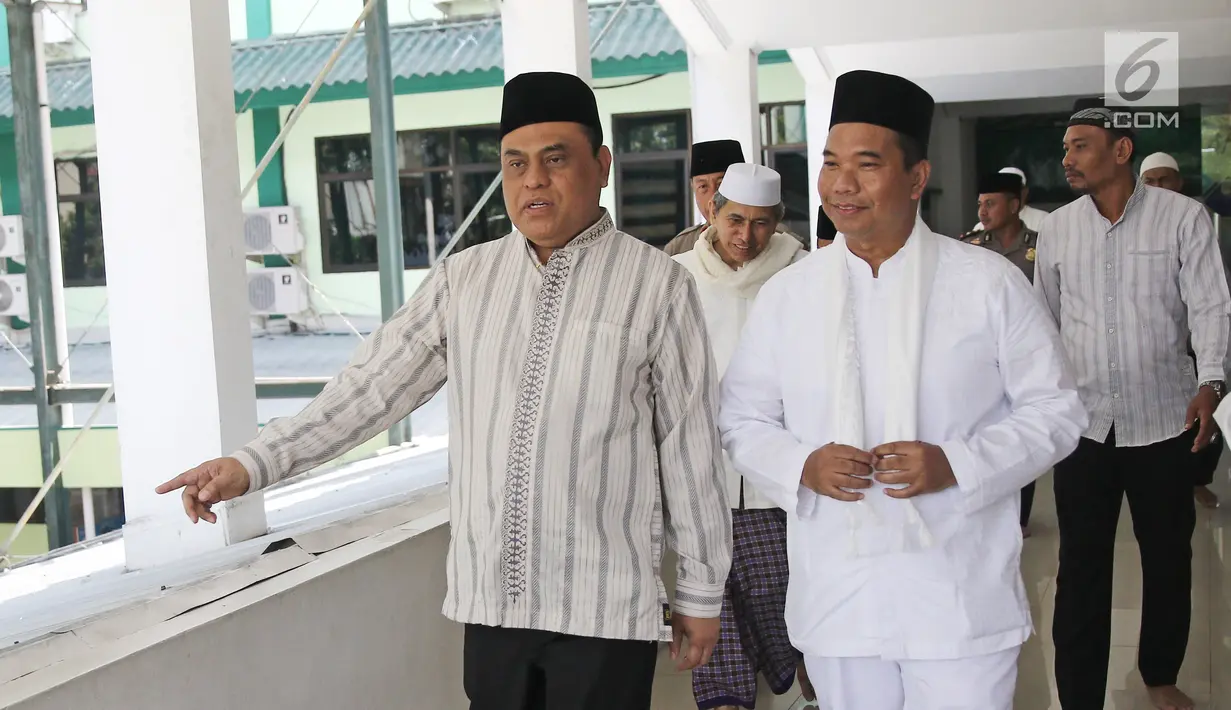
(184, 479)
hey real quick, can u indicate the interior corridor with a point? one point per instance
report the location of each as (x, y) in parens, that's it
(1207, 667)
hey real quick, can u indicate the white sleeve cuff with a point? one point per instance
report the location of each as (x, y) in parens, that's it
(966, 471)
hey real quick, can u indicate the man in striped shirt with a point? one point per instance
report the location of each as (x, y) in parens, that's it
(1127, 270)
(582, 400)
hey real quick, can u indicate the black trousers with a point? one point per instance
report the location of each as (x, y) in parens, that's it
(1089, 487)
(520, 669)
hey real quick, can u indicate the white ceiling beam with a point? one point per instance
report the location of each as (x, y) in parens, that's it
(699, 25)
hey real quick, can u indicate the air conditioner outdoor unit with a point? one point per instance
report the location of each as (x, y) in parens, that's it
(272, 230)
(14, 300)
(277, 291)
(12, 240)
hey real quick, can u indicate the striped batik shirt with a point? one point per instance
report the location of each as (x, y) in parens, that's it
(1125, 296)
(582, 403)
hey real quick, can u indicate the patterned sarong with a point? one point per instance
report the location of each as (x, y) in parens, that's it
(753, 635)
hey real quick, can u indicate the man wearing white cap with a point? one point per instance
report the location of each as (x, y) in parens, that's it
(1161, 170)
(1032, 216)
(730, 262)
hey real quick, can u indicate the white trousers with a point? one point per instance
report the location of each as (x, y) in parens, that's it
(978, 683)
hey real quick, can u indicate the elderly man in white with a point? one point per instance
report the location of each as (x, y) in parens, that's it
(732, 258)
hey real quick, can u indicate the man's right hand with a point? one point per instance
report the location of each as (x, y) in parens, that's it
(211, 482)
(834, 467)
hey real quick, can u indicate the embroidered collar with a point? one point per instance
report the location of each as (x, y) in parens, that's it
(592, 234)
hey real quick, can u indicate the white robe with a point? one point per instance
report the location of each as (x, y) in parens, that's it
(726, 296)
(995, 393)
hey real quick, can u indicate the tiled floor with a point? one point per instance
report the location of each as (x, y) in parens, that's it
(1207, 669)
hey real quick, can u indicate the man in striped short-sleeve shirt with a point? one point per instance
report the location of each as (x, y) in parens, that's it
(582, 437)
(1127, 270)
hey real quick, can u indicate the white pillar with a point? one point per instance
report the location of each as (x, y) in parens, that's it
(181, 348)
(725, 104)
(818, 104)
(546, 35)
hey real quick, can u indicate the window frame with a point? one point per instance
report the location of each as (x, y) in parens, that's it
(459, 171)
(93, 198)
(618, 160)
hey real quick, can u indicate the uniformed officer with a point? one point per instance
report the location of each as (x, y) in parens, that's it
(1004, 232)
(1000, 205)
(708, 163)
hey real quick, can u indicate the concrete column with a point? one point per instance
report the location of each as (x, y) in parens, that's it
(724, 99)
(818, 104)
(181, 348)
(546, 35)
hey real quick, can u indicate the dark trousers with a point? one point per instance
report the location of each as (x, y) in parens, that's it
(1027, 502)
(520, 669)
(1089, 487)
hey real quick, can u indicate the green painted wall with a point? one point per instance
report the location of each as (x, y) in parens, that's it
(32, 540)
(4, 37)
(260, 19)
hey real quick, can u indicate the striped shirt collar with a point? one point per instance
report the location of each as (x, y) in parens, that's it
(591, 235)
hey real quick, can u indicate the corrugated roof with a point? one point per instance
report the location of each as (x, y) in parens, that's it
(420, 51)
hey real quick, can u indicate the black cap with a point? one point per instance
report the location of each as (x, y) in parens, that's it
(1001, 182)
(884, 100)
(825, 228)
(714, 157)
(1093, 111)
(548, 97)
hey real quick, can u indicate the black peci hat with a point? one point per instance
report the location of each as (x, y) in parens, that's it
(884, 100)
(548, 97)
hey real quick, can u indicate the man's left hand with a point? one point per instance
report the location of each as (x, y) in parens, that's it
(702, 635)
(924, 468)
(1201, 411)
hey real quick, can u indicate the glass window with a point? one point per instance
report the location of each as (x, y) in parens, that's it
(417, 190)
(423, 149)
(654, 133)
(651, 166)
(478, 146)
(13, 503)
(347, 155)
(435, 165)
(81, 222)
(783, 124)
(654, 200)
(1215, 187)
(493, 221)
(108, 510)
(792, 165)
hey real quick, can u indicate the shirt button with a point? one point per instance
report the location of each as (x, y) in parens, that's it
(1109, 264)
(1113, 366)
(1111, 330)
(1110, 299)
(1116, 395)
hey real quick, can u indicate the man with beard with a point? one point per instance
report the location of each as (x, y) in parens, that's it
(581, 430)
(899, 464)
(1127, 271)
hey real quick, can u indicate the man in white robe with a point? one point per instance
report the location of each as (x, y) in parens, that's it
(894, 392)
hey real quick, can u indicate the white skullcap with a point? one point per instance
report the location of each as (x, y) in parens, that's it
(1015, 171)
(1159, 160)
(752, 185)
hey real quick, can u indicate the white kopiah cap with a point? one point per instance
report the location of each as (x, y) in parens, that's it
(1015, 171)
(1159, 160)
(752, 185)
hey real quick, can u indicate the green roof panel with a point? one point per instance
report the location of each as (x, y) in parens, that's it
(427, 56)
